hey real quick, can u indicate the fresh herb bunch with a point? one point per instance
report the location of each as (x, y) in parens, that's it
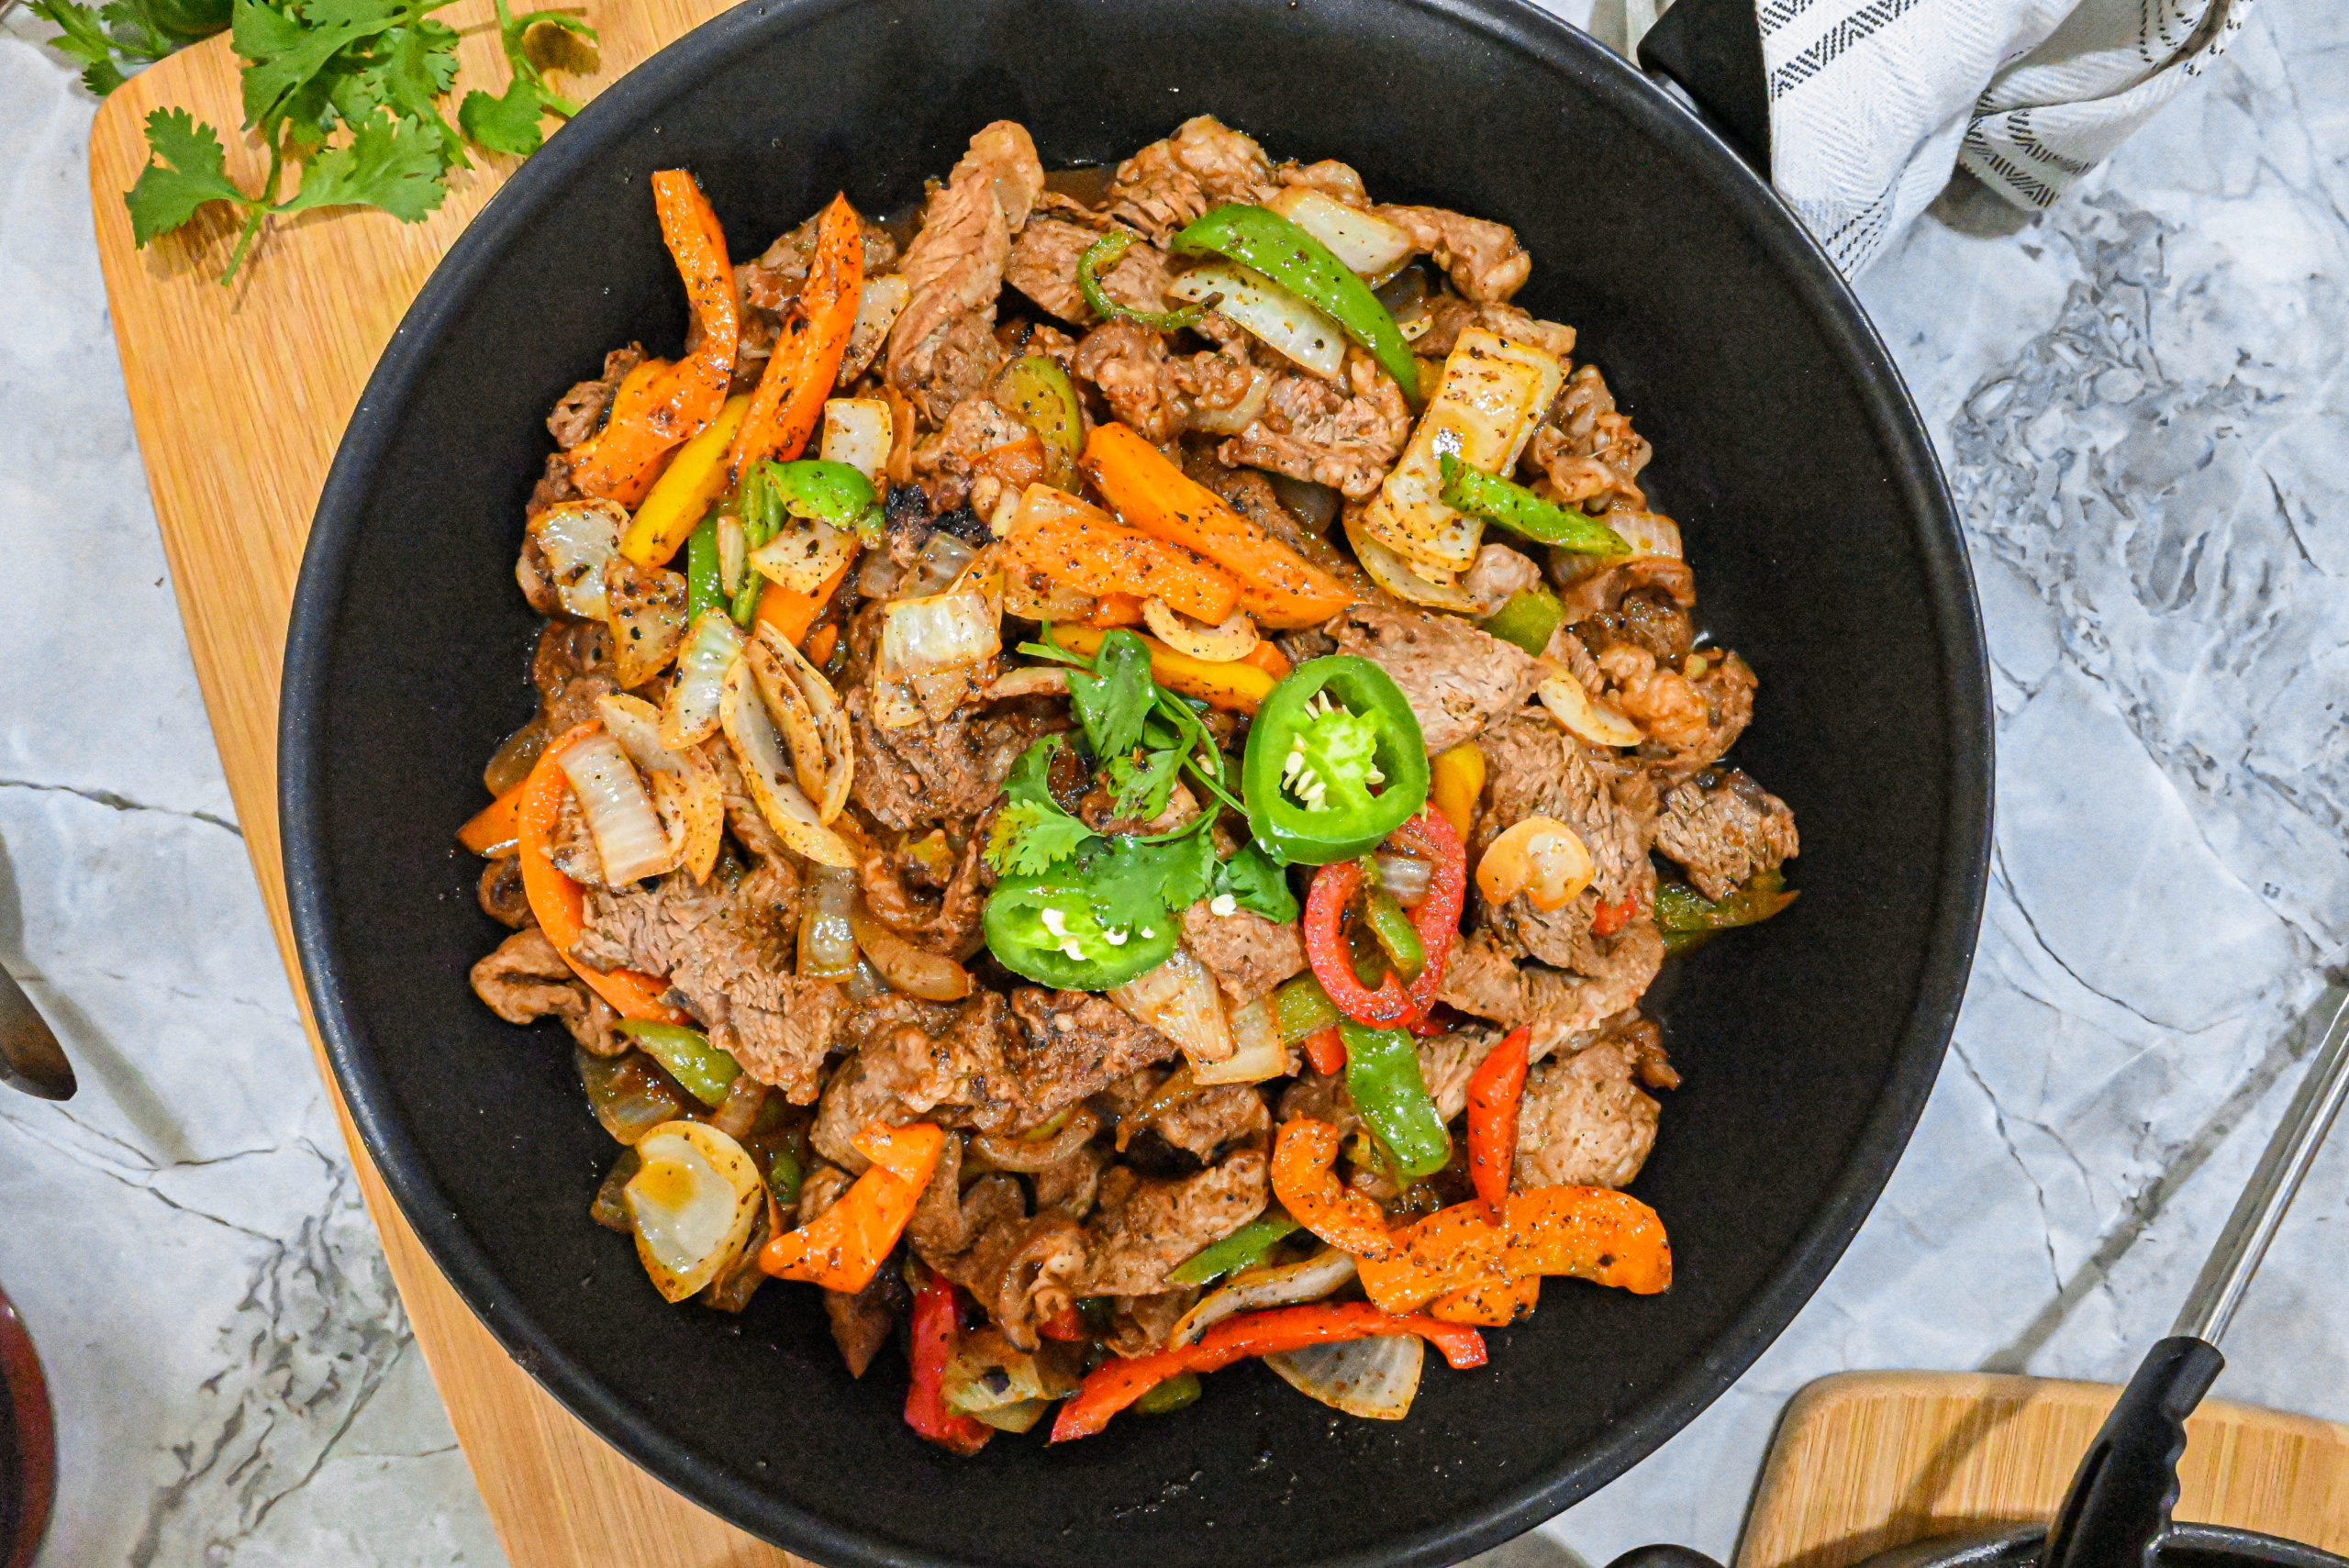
(347, 92)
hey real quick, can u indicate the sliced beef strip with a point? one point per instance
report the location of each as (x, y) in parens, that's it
(1153, 389)
(1043, 260)
(1583, 1122)
(1072, 1186)
(1723, 828)
(946, 461)
(953, 268)
(1145, 1226)
(932, 772)
(571, 668)
(1535, 769)
(1484, 980)
(1496, 576)
(1691, 720)
(1483, 258)
(1345, 435)
(1586, 593)
(525, 980)
(1458, 678)
(1223, 1115)
(911, 1065)
(864, 1322)
(579, 414)
(949, 924)
(1203, 164)
(1144, 1323)
(1586, 449)
(1021, 1269)
(781, 272)
(1247, 955)
(501, 895)
(1076, 1045)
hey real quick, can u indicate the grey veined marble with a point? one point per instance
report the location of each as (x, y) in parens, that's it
(2140, 401)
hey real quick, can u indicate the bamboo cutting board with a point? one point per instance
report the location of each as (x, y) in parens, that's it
(241, 395)
(1871, 1460)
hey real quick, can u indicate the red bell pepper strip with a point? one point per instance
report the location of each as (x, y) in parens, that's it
(1437, 920)
(842, 1248)
(559, 902)
(1305, 1179)
(1609, 918)
(789, 402)
(1121, 1382)
(1326, 1050)
(1495, 1090)
(938, 1322)
(1063, 1325)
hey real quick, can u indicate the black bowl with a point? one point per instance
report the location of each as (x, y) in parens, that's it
(1827, 552)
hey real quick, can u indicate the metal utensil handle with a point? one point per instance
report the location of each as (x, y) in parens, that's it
(2235, 1257)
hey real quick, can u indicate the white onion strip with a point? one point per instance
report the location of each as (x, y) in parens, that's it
(1254, 1290)
(577, 537)
(685, 788)
(1375, 1378)
(1235, 638)
(689, 713)
(759, 749)
(814, 724)
(1600, 723)
(629, 839)
(1180, 1001)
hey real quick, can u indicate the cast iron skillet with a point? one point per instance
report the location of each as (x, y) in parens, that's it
(1826, 551)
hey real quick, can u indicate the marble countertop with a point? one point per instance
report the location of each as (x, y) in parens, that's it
(2142, 400)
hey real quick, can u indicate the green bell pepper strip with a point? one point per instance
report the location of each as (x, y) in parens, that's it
(705, 1071)
(1300, 1007)
(705, 589)
(1322, 739)
(1383, 1081)
(1520, 511)
(1040, 394)
(1103, 254)
(783, 1177)
(1529, 619)
(1177, 1391)
(1397, 937)
(1688, 919)
(1045, 928)
(1243, 1249)
(1264, 239)
(809, 487)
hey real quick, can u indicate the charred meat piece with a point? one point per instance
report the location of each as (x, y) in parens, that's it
(1723, 828)
(526, 980)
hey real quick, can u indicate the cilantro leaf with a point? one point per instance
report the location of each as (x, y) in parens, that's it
(1256, 884)
(1031, 833)
(405, 71)
(1134, 883)
(391, 164)
(184, 174)
(1112, 702)
(510, 123)
(84, 38)
(290, 53)
(1141, 790)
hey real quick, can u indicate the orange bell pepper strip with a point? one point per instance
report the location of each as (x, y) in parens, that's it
(1608, 1237)
(676, 401)
(1326, 1050)
(1115, 610)
(789, 402)
(1093, 552)
(842, 1248)
(1238, 687)
(559, 902)
(1494, 1091)
(1489, 1306)
(1306, 1181)
(1267, 657)
(792, 612)
(1148, 492)
(493, 832)
(1119, 1383)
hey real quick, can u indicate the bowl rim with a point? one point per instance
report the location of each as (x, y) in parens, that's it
(1651, 109)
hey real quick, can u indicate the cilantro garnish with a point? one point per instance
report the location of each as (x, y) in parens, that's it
(1256, 883)
(1031, 833)
(1113, 701)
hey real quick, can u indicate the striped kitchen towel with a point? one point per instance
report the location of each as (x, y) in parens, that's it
(1873, 101)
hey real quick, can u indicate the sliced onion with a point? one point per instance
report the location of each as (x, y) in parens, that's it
(1180, 1000)
(809, 713)
(1648, 533)
(804, 554)
(1600, 723)
(1390, 571)
(1031, 1152)
(577, 537)
(1272, 313)
(1260, 1053)
(1030, 681)
(1254, 1290)
(905, 966)
(827, 941)
(878, 577)
(857, 432)
(1028, 594)
(689, 711)
(989, 1375)
(645, 608)
(943, 558)
(733, 553)
(877, 304)
(1235, 638)
(1369, 247)
(1375, 1378)
(694, 1200)
(515, 756)
(941, 647)
(629, 839)
(1405, 876)
(685, 788)
(1540, 857)
(1240, 416)
(759, 749)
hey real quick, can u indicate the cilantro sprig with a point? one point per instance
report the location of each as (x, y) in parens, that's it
(344, 95)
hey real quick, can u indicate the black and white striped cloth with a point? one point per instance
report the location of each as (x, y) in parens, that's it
(1873, 101)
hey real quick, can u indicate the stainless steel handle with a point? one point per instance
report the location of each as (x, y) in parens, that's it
(2235, 1257)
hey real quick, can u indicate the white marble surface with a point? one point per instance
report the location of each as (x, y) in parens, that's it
(2143, 404)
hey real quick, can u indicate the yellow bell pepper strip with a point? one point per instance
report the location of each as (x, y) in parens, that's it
(1457, 779)
(683, 493)
(791, 612)
(842, 1248)
(1305, 1179)
(1489, 1306)
(1149, 492)
(559, 902)
(1608, 1237)
(1094, 554)
(1494, 1091)
(681, 399)
(1119, 1382)
(1238, 687)
(493, 832)
(789, 402)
